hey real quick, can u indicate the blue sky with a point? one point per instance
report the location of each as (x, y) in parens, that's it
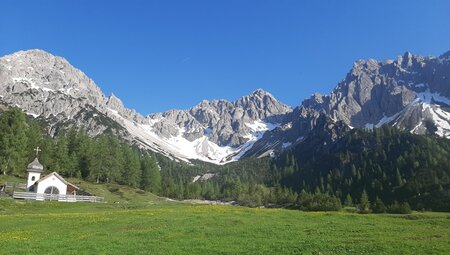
(159, 55)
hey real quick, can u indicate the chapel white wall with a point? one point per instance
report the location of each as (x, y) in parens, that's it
(30, 181)
(52, 181)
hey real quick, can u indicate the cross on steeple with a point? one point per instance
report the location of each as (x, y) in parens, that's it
(37, 150)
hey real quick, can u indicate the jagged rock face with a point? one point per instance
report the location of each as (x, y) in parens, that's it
(374, 90)
(412, 93)
(224, 122)
(49, 88)
(39, 70)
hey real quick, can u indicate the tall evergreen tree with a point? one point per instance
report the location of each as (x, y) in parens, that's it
(13, 143)
(364, 204)
(151, 177)
(131, 172)
(348, 200)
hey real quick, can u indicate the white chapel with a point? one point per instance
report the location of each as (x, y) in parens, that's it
(49, 184)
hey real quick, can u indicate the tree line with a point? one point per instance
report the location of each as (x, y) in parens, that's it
(379, 170)
(391, 166)
(74, 154)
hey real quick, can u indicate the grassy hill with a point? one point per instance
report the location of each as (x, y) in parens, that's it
(142, 223)
(114, 194)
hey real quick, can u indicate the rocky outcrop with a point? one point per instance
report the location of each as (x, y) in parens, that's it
(49, 88)
(411, 93)
(224, 122)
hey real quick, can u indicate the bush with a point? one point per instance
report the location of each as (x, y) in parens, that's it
(399, 208)
(378, 206)
(348, 200)
(319, 202)
(364, 204)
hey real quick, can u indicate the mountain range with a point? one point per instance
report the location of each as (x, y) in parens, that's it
(411, 93)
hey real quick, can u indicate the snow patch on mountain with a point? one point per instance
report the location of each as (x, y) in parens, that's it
(29, 82)
(285, 145)
(420, 85)
(440, 117)
(429, 98)
(382, 121)
(201, 149)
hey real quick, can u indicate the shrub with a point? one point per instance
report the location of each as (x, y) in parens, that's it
(364, 204)
(378, 206)
(319, 202)
(399, 208)
(348, 200)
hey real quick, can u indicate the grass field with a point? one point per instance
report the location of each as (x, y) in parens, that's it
(170, 228)
(141, 223)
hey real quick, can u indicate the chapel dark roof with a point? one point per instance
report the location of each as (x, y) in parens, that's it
(35, 166)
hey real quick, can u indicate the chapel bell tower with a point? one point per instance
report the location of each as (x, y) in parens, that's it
(34, 170)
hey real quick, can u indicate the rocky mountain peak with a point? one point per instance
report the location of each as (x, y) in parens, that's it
(261, 93)
(445, 56)
(40, 70)
(261, 105)
(114, 103)
(410, 93)
(407, 60)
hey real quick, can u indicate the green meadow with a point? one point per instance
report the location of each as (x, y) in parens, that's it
(141, 223)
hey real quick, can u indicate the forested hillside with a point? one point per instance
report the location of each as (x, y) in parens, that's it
(387, 163)
(107, 159)
(74, 154)
(392, 167)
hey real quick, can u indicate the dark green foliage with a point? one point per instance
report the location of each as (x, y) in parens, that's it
(399, 208)
(318, 202)
(131, 170)
(13, 141)
(378, 206)
(243, 182)
(364, 204)
(73, 154)
(151, 178)
(348, 200)
(386, 162)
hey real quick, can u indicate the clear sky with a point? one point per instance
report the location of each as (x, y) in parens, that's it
(159, 55)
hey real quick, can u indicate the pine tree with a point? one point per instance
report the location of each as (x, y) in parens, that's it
(131, 172)
(398, 177)
(61, 160)
(13, 142)
(348, 200)
(364, 204)
(84, 152)
(107, 161)
(35, 139)
(151, 177)
(378, 206)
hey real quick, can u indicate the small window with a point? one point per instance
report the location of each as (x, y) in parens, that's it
(33, 178)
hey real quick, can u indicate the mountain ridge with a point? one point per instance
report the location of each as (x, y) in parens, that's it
(411, 93)
(48, 87)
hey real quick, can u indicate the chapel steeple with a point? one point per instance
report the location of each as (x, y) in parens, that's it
(34, 169)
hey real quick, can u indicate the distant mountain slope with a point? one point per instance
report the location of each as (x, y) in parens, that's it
(411, 93)
(49, 88)
(387, 163)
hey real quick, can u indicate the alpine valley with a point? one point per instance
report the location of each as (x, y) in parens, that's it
(410, 93)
